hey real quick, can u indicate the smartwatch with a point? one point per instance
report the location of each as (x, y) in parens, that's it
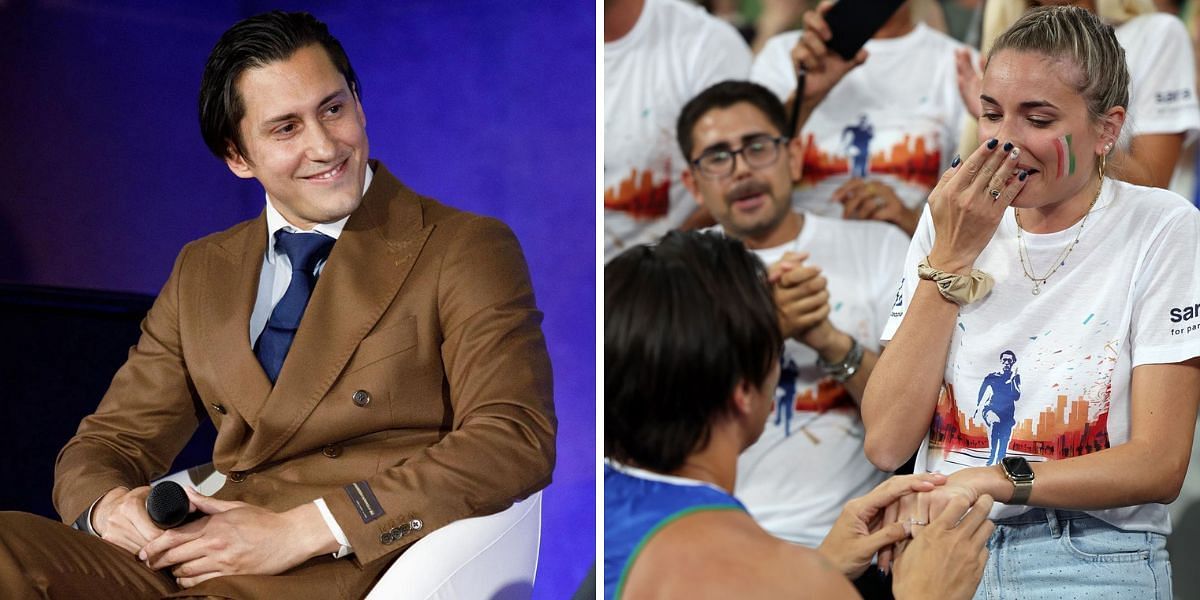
(1019, 472)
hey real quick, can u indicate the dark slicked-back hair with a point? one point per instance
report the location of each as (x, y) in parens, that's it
(724, 95)
(257, 42)
(685, 321)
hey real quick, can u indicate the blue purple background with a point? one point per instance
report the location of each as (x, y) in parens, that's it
(488, 106)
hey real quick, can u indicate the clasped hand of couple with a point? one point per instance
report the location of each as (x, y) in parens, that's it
(232, 538)
(929, 532)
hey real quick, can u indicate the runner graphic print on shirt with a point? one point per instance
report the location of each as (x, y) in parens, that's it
(827, 395)
(1066, 418)
(785, 394)
(904, 155)
(997, 402)
(859, 145)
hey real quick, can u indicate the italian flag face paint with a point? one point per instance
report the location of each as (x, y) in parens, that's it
(1066, 156)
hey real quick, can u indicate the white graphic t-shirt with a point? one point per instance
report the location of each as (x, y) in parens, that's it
(1162, 77)
(809, 460)
(1047, 376)
(896, 118)
(675, 51)
(1162, 86)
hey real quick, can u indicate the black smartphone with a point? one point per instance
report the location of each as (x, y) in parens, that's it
(853, 22)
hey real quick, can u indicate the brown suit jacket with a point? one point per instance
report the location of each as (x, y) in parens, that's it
(424, 312)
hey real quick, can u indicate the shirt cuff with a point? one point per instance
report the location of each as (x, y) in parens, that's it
(334, 528)
(84, 522)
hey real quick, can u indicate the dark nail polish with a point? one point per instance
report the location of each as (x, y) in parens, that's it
(1007, 146)
(992, 143)
(1023, 175)
(957, 161)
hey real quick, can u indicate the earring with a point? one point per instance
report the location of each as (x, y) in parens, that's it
(1103, 162)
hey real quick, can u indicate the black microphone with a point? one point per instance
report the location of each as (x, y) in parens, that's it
(168, 505)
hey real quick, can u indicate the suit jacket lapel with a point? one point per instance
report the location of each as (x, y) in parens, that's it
(366, 269)
(230, 289)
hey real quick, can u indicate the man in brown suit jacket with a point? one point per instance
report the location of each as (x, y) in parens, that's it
(416, 390)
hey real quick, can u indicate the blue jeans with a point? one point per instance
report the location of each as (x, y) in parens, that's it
(1062, 554)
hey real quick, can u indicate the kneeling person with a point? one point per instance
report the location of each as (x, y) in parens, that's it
(691, 354)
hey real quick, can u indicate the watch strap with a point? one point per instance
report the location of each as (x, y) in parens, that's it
(1021, 491)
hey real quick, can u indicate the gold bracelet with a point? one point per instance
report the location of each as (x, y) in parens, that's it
(959, 289)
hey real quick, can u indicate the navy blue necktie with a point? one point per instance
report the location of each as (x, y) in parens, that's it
(304, 250)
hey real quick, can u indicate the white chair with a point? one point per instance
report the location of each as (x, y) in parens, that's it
(490, 558)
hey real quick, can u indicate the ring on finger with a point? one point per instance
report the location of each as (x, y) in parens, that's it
(914, 521)
(879, 201)
(995, 193)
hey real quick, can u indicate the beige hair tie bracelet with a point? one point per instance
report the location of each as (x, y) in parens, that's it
(959, 289)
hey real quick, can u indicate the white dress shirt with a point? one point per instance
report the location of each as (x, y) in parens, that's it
(272, 283)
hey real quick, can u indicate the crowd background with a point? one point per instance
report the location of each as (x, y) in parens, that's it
(757, 22)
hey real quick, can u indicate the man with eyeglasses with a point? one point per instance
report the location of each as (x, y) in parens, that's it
(834, 282)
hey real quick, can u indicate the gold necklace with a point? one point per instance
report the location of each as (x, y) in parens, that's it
(1027, 263)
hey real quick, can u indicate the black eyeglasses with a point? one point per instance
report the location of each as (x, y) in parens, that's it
(758, 152)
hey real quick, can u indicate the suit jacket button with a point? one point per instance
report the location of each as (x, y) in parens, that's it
(332, 451)
(386, 539)
(237, 476)
(218, 408)
(361, 398)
